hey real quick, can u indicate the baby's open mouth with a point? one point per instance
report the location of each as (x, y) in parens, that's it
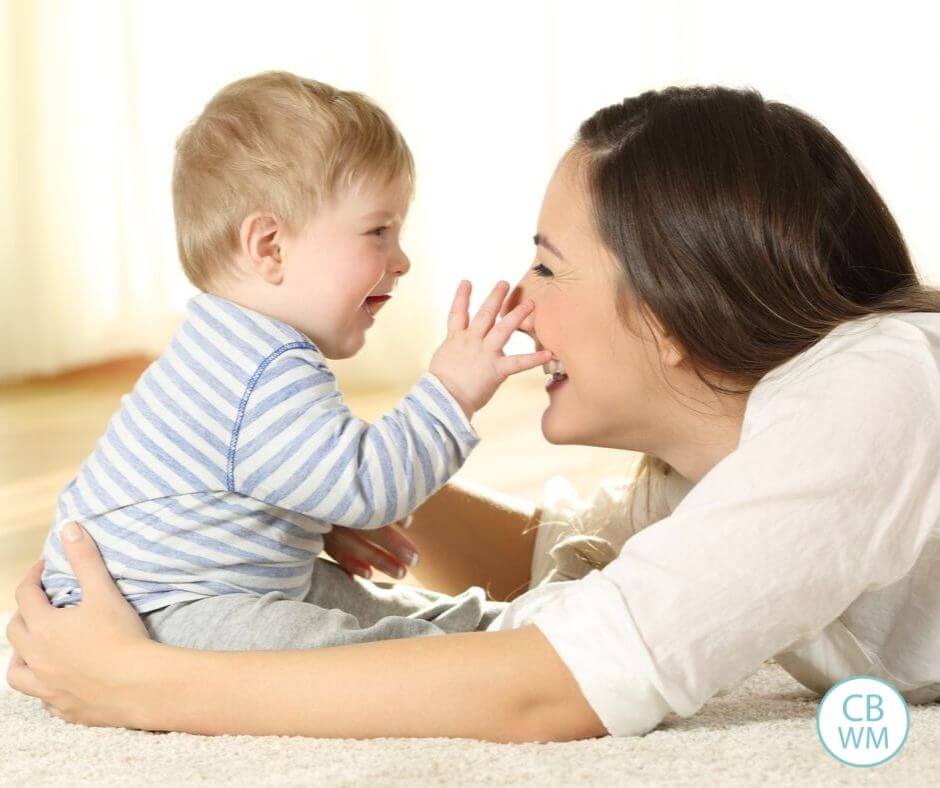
(374, 303)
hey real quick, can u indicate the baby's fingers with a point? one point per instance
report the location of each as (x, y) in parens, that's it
(459, 310)
(511, 365)
(500, 333)
(486, 315)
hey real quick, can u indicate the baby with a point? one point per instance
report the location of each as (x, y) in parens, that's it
(235, 453)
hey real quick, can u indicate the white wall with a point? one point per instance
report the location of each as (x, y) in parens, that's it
(488, 94)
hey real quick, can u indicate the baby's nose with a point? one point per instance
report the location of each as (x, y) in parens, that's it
(400, 264)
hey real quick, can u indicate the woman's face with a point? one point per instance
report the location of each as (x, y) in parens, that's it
(613, 376)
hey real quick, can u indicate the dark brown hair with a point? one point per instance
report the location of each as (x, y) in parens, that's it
(743, 225)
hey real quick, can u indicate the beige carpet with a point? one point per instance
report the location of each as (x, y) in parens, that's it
(761, 734)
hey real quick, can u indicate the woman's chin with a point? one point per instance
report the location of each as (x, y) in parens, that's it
(555, 430)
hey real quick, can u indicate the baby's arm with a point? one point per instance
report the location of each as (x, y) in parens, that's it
(299, 447)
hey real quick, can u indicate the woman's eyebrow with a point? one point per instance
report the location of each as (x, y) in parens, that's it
(541, 240)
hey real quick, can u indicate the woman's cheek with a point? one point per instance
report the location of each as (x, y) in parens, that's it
(548, 319)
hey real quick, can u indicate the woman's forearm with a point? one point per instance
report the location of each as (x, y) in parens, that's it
(500, 686)
(468, 535)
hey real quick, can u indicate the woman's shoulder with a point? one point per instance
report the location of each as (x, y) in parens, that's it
(885, 356)
(912, 334)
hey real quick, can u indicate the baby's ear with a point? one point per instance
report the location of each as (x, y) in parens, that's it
(260, 235)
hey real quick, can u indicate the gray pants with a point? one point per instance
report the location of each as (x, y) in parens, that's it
(340, 609)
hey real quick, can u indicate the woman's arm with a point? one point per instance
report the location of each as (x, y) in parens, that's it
(93, 664)
(825, 498)
(499, 686)
(465, 535)
(469, 535)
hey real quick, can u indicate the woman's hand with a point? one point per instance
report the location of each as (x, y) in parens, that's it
(386, 548)
(78, 660)
(94, 664)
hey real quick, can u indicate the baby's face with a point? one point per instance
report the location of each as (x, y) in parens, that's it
(341, 267)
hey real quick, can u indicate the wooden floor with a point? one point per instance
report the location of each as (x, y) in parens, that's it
(47, 427)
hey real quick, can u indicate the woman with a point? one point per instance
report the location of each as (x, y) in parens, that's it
(723, 290)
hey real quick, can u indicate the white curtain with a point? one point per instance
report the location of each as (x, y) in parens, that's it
(93, 94)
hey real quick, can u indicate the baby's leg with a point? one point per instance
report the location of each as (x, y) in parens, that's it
(339, 610)
(473, 536)
(371, 603)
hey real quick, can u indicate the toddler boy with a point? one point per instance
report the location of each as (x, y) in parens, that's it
(216, 479)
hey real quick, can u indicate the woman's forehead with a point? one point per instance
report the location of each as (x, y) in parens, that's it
(566, 221)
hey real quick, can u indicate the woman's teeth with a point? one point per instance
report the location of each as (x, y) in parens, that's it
(555, 371)
(554, 367)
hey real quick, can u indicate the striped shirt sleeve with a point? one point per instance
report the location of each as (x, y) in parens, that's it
(296, 445)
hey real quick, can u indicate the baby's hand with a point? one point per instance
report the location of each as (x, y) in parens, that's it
(470, 362)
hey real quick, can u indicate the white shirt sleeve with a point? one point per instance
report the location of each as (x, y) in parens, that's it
(831, 493)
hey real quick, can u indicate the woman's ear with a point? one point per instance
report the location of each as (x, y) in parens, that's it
(671, 353)
(260, 235)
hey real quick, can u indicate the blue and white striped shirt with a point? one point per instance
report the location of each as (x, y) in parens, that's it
(232, 456)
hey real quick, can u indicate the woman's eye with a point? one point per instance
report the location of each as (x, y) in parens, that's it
(541, 270)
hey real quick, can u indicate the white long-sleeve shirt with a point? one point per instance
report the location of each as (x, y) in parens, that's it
(816, 541)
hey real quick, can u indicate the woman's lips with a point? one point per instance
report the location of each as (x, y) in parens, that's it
(553, 382)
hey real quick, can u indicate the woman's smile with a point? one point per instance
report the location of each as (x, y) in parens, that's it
(554, 382)
(556, 374)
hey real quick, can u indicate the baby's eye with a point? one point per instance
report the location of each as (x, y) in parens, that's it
(541, 270)
(378, 231)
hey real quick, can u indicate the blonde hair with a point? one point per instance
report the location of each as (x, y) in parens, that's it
(274, 142)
